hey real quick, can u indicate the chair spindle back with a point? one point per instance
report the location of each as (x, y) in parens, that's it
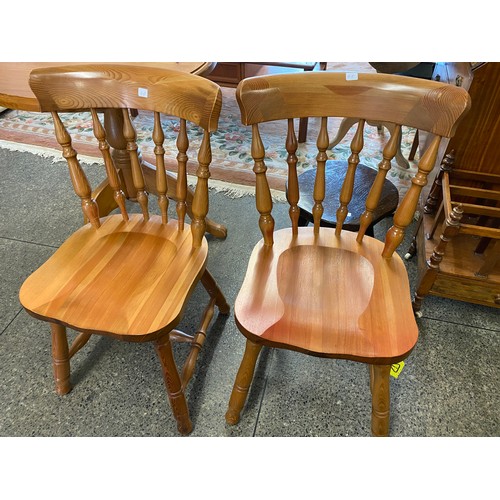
(426, 105)
(120, 87)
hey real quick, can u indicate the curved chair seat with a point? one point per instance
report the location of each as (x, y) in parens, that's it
(331, 292)
(130, 276)
(140, 295)
(328, 297)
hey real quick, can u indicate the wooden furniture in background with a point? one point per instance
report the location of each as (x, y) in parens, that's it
(229, 74)
(335, 172)
(460, 259)
(412, 69)
(328, 292)
(128, 275)
(452, 270)
(15, 93)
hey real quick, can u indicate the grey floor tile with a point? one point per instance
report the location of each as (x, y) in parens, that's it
(117, 390)
(17, 261)
(450, 386)
(37, 201)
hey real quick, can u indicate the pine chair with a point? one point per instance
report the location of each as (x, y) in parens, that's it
(330, 292)
(129, 275)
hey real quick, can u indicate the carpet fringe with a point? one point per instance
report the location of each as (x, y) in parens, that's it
(45, 152)
(227, 188)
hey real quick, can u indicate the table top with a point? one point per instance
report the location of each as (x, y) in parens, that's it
(15, 92)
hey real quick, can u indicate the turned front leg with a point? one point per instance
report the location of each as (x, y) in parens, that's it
(173, 384)
(242, 382)
(60, 358)
(380, 399)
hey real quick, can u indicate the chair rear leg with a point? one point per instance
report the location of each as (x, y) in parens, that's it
(173, 384)
(242, 382)
(379, 375)
(60, 358)
(214, 291)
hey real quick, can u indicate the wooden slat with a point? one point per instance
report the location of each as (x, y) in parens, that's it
(161, 176)
(475, 192)
(182, 158)
(348, 184)
(111, 171)
(138, 177)
(200, 200)
(263, 197)
(406, 209)
(470, 208)
(474, 175)
(373, 198)
(488, 232)
(293, 183)
(319, 183)
(375, 97)
(78, 178)
(128, 86)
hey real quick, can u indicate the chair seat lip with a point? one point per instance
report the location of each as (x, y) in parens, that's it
(87, 238)
(370, 346)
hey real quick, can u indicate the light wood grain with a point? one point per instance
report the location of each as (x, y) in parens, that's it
(330, 292)
(427, 105)
(328, 296)
(128, 276)
(122, 86)
(128, 279)
(16, 93)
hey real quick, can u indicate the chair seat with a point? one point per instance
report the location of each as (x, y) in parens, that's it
(143, 293)
(357, 306)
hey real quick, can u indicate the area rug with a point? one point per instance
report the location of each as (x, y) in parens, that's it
(231, 168)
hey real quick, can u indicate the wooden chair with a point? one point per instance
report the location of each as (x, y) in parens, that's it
(129, 275)
(323, 291)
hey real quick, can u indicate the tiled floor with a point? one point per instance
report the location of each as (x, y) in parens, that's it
(449, 386)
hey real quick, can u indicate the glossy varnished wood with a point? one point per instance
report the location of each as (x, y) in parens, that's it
(345, 302)
(330, 292)
(123, 86)
(126, 261)
(16, 93)
(127, 275)
(432, 106)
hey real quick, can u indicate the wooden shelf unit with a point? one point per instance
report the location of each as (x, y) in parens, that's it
(460, 240)
(456, 238)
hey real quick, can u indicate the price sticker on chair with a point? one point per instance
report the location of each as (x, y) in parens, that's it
(141, 92)
(351, 76)
(396, 369)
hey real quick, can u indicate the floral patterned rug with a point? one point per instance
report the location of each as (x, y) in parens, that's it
(232, 164)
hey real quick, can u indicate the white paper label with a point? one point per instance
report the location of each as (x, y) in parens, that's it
(351, 76)
(142, 92)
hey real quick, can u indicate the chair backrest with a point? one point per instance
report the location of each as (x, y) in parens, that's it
(425, 105)
(123, 88)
